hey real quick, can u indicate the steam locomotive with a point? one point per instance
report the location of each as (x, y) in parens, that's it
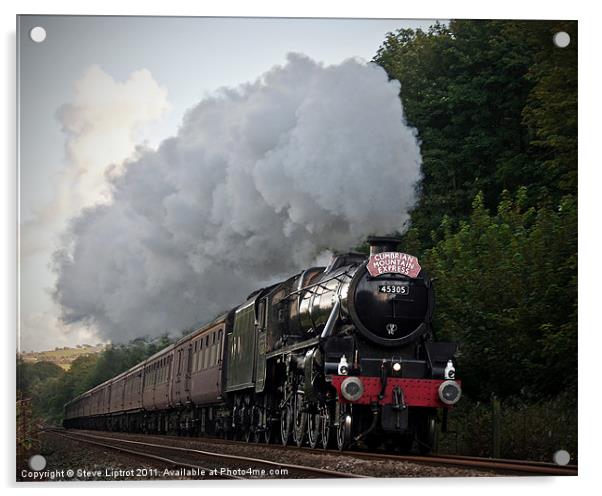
(334, 356)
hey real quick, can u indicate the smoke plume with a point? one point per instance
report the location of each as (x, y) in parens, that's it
(259, 181)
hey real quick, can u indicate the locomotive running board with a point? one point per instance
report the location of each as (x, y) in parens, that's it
(293, 347)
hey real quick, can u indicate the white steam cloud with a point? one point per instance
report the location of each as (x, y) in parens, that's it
(259, 181)
(103, 122)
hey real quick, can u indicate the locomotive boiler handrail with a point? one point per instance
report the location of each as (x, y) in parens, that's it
(318, 284)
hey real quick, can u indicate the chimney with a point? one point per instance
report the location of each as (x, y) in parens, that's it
(379, 244)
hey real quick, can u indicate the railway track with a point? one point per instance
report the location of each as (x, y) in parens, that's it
(521, 467)
(505, 466)
(515, 467)
(141, 454)
(518, 467)
(185, 457)
(525, 466)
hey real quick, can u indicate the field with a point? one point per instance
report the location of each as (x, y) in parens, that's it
(63, 357)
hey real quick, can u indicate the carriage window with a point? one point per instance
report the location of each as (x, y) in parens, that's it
(200, 356)
(261, 314)
(208, 357)
(216, 356)
(219, 346)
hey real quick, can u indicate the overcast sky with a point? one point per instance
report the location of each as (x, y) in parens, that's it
(97, 87)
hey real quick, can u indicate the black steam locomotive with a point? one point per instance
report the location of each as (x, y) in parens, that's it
(342, 355)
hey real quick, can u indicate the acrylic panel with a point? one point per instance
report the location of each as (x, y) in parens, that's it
(309, 248)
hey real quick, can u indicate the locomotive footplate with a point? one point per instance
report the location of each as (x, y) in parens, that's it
(407, 392)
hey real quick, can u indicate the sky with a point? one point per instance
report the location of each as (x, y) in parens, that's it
(99, 88)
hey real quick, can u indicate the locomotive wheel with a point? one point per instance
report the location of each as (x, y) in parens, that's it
(286, 423)
(344, 428)
(268, 433)
(247, 434)
(300, 418)
(229, 434)
(326, 427)
(314, 429)
(237, 427)
(246, 425)
(255, 428)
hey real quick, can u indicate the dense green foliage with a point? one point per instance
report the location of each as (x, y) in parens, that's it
(494, 104)
(495, 107)
(50, 387)
(507, 291)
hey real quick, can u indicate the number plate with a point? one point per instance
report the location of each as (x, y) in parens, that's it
(401, 289)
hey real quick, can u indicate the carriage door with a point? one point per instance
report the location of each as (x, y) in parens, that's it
(188, 371)
(178, 381)
(261, 330)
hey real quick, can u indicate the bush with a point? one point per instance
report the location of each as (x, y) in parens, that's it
(506, 287)
(529, 431)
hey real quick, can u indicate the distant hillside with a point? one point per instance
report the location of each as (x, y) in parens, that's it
(63, 357)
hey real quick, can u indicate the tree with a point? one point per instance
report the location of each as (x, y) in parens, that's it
(551, 110)
(507, 292)
(50, 387)
(30, 374)
(488, 99)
